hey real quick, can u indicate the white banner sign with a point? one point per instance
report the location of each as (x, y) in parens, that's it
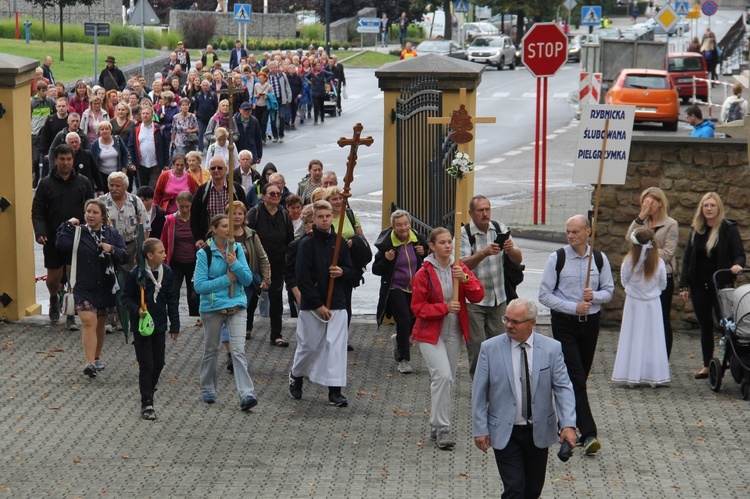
(591, 145)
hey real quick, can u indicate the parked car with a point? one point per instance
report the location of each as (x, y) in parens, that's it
(473, 30)
(607, 34)
(447, 48)
(651, 24)
(652, 93)
(509, 20)
(497, 51)
(682, 67)
(574, 47)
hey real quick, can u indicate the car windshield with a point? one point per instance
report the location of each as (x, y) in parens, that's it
(685, 64)
(646, 81)
(487, 42)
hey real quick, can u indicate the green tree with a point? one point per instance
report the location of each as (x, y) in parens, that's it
(44, 4)
(68, 3)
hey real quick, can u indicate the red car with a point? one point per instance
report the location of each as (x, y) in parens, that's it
(682, 67)
(652, 93)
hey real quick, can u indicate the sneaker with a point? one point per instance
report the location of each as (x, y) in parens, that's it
(148, 413)
(404, 367)
(248, 402)
(70, 324)
(275, 139)
(98, 365)
(230, 364)
(269, 136)
(444, 440)
(209, 398)
(109, 329)
(281, 139)
(315, 122)
(591, 445)
(54, 309)
(90, 371)
(295, 386)
(337, 399)
(394, 347)
(433, 433)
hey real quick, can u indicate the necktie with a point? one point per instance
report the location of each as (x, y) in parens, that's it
(526, 385)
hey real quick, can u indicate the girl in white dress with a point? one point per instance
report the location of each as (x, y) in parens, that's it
(642, 351)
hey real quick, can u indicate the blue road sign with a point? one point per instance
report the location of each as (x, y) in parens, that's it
(461, 7)
(591, 15)
(243, 12)
(368, 25)
(682, 8)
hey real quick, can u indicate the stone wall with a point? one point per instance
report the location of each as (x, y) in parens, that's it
(107, 11)
(685, 168)
(340, 28)
(275, 26)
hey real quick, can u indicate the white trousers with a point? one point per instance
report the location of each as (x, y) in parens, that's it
(321, 348)
(442, 361)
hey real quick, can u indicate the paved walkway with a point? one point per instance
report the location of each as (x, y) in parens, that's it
(68, 436)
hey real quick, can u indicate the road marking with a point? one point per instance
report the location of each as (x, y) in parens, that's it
(500, 95)
(480, 141)
(479, 167)
(513, 153)
(495, 161)
(560, 95)
(561, 130)
(552, 136)
(528, 95)
(525, 148)
(375, 193)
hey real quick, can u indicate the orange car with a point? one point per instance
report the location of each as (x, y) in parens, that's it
(682, 67)
(651, 92)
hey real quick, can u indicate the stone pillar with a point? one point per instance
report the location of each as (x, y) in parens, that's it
(452, 75)
(17, 289)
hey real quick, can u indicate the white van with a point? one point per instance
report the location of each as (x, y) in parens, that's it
(433, 24)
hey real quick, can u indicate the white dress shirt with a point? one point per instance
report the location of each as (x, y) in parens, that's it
(517, 366)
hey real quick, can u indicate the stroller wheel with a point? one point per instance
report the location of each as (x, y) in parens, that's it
(715, 373)
(745, 390)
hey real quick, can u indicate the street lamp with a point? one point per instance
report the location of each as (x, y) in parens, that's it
(328, 27)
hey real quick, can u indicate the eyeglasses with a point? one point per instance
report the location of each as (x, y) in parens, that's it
(274, 194)
(217, 168)
(508, 320)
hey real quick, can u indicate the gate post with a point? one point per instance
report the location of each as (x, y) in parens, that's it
(452, 75)
(17, 286)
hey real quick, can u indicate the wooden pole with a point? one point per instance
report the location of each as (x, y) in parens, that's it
(596, 201)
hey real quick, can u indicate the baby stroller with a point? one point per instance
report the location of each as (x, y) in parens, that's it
(734, 306)
(330, 104)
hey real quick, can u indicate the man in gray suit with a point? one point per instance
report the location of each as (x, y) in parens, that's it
(517, 375)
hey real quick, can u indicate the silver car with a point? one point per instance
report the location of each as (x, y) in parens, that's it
(497, 51)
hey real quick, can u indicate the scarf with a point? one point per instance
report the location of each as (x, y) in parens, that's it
(110, 275)
(157, 282)
(222, 120)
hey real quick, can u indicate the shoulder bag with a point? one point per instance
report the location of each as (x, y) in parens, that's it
(68, 302)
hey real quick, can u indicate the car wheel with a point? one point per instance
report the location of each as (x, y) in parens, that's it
(670, 127)
(685, 100)
(512, 64)
(501, 64)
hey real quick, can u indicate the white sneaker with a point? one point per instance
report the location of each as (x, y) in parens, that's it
(404, 367)
(394, 345)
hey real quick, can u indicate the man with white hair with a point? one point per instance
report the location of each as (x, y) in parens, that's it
(211, 199)
(74, 125)
(245, 173)
(84, 163)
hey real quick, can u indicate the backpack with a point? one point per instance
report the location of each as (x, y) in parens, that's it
(598, 260)
(512, 271)
(256, 276)
(360, 253)
(735, 111)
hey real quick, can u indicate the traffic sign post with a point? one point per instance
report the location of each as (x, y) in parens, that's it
(545, 50)
(709, 8)
(591, 15)
(243, 13)
(143, 14)
(96, 30)
(461, 7)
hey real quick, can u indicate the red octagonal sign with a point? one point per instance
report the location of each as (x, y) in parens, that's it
(545, 49)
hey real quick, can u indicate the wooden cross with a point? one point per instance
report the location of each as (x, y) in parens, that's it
(230, 91)
(461, 123)
(351, 162)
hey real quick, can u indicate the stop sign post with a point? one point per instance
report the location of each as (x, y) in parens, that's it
(545, 50)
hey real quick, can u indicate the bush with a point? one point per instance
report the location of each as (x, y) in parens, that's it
(169, 39)
(201, 31)
(335, 44)
(223, 44)
(345, 45)
(315, 31)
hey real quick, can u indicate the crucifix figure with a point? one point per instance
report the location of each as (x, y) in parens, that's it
(351, 162)
(461, 123)
(230, 91)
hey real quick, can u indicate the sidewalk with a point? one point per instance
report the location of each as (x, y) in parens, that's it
(68, 436)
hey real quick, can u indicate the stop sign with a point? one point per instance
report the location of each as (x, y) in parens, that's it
(545, 49)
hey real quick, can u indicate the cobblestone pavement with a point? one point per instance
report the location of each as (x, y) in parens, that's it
(67, 436)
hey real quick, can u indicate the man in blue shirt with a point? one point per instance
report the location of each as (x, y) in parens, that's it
(701, 127)
(575, 306)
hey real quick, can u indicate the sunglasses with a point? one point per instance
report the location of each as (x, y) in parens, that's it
(508, 320)
(274, 194)
(217, 168)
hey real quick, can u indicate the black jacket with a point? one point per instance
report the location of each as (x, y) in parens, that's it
(60, 139)
(199, 218)
(386, 268)
(57, 200)
(275, 231)
(52, 126)
(84, 164)
(205, 105)
(730, 251)
(167, 303)
(157, 224)
(250, 137)
(314, 257)
(112, 79)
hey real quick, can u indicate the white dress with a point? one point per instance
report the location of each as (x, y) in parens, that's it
(642, 350)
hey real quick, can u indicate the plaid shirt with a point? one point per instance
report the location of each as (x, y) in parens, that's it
(490, 270)
(217, 199)
(126, 219)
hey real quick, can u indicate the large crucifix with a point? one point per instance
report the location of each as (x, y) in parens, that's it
(351, 162)
(231, 90)
(461, 124)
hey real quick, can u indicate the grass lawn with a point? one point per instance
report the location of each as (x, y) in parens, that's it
(365, 59)
(79, 57)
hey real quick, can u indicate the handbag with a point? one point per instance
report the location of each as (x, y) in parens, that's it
(68, 302)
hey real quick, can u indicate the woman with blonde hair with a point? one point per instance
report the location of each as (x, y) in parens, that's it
(221, 148)
(653, 215)
(714, 243)
(641, 352)
(91, 118)
(200, 174)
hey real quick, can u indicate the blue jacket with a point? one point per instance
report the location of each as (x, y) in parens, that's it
(705, 129)
(212, 284)
(167, 302)
(122, 149)
(205, 105)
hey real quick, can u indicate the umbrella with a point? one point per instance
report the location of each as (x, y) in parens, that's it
(141, 279)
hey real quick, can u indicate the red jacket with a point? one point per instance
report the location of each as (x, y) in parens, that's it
(160, 196)
(429, 308)
(167, 235)
(76, 105)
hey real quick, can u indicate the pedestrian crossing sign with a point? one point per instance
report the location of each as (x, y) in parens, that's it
(682, 8)
(591, 15)
(242, 12)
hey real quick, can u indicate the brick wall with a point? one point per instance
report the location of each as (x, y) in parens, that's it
(275, 26)
(686, 169)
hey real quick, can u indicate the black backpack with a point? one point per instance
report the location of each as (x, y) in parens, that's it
(360, 253)
(255, 285)
(512, 271)
(598, 260)
(735, 111)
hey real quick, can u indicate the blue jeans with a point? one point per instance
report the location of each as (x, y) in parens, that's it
(201, 131)
(235, 324)
(384, 38)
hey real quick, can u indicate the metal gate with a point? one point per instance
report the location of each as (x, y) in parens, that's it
(423, 152)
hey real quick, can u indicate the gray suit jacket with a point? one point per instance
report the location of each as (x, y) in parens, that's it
(493, 401)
